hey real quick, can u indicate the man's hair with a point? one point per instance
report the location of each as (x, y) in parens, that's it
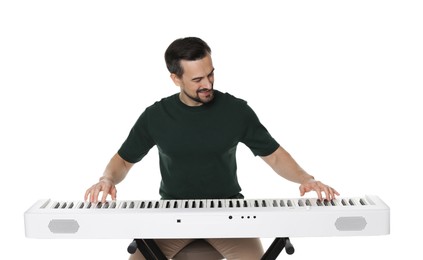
(189, 48)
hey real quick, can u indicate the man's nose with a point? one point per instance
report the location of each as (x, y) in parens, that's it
(207, 83)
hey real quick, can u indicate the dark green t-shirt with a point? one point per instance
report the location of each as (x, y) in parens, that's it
(197, 145)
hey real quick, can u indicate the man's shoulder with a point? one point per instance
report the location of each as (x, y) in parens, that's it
(231, 98)
(167, 99)
(164, 101)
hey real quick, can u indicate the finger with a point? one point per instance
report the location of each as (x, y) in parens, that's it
(103, 198)
(113, 193)
(332, 193)
(319, 193)
(328, 192)
(95, 193)
(90, 194)
(302, 190)
(335, 192)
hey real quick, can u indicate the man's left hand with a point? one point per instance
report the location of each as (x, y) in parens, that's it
(319, 188)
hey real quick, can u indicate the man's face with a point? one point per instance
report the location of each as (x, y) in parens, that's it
(197, 81)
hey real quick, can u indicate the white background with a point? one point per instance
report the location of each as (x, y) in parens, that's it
(335, 82)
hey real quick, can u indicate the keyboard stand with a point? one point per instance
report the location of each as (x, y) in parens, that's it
(151, 251)
(148, 249)
(276, 248)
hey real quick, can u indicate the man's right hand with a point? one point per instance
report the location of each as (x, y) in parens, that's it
(114, 173)
(104, 186)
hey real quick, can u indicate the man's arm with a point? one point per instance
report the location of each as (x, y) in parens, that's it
(114, 173)
(284, 165)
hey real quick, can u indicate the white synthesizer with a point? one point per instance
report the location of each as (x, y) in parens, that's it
(219, 218)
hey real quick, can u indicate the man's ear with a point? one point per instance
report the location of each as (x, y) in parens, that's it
(176, 80)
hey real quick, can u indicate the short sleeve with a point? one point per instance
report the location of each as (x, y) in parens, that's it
(139, 140)
(256, 137)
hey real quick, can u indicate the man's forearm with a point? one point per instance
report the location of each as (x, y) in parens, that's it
(116, 170)
(284, 165)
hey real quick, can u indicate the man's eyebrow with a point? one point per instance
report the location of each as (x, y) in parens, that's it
(199, 78)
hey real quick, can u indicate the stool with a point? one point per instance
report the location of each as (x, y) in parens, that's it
(198, 249)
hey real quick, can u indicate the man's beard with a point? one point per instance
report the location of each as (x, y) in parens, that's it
(198, 99)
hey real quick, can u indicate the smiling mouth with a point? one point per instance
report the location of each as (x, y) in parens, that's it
(205, 91)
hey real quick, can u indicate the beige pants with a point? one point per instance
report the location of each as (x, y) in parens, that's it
(230, 248)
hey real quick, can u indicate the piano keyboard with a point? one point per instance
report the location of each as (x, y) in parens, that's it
(217, 218)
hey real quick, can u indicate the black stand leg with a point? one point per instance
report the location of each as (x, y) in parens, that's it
(148, 249)
(289, 248)
(155, 249)
(132, 247)
(276, 248)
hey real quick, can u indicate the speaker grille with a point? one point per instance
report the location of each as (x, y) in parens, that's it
(63, 226)
(357, 223)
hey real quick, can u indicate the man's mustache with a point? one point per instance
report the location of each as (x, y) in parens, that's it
(204, 90)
